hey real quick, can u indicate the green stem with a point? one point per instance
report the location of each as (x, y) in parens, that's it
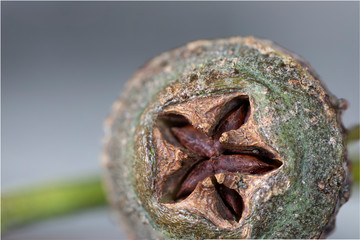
(32, 204)
(353, 134)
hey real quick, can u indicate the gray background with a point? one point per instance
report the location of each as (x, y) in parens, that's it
(64, 63)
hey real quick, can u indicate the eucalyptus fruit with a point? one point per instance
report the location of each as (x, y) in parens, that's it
(229, 138)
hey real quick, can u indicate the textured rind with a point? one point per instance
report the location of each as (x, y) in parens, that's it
(295, 114)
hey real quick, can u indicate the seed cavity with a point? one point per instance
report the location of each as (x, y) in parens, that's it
(210, 157)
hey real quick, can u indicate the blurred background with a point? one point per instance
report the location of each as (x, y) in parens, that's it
(65, 63)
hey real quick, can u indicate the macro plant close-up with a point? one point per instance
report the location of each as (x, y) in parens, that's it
(180, 120)
(234, 137)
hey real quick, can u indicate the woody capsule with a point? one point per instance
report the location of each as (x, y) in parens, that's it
(228, 138)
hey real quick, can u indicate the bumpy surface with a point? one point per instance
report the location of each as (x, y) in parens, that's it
(293, 125)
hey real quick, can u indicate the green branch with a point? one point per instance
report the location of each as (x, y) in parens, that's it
(32, 204)
(352, 137)
(353, 134)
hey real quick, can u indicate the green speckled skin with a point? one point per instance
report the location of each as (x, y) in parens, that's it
(295, 114)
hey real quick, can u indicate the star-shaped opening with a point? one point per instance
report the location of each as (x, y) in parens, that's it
(199, 140)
